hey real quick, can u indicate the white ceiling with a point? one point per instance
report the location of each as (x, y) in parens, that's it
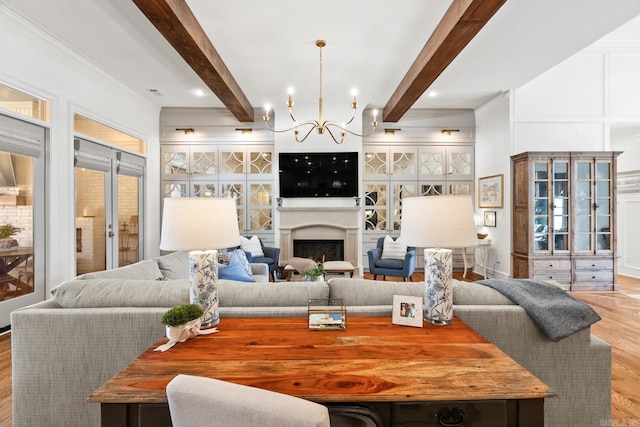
(270, 46)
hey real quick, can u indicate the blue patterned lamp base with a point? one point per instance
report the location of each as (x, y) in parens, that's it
(438, 286)
(203, 285)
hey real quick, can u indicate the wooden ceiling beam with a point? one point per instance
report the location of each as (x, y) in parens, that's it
(176, 22)
(459, 25)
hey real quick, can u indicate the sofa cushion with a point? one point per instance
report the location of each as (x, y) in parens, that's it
(269, 294)
(395, 264)
(234, 271)
(469, 293)
(121, 293)
(365, 292)
(174, 265)
(147, 269)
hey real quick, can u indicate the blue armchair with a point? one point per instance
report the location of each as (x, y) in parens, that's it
(391, 267)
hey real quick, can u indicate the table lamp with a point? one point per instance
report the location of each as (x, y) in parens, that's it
(435, 223)
(201, 225)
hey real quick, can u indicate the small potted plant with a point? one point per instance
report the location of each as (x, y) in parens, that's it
(6, 233)
(180, 319)
(315, 273)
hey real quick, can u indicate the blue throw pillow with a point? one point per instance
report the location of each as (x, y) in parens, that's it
(234, 271)
(239, 256)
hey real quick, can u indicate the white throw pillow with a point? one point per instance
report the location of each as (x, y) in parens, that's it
(391, 249)
(251, 245)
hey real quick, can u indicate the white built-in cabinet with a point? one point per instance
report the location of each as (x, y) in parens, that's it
(243, 172)
(394, 172)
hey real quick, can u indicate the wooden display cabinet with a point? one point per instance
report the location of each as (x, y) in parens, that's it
(564, 224)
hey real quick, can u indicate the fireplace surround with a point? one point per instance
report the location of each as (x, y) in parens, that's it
(320, 223)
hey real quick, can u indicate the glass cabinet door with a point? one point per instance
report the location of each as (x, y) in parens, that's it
(593, 206)
(376, 162)
(401, 191)
(541, 183)
(551, 206)
(375, 206)
(460, 163)
(404, 163)
(583, 206)
(260, 206)
(260, 160)
(175, 162)
(433, 163)
(204, 164)
(232, 162)
(602, 207)
(432, 188)
(560, 206)
(236, 190)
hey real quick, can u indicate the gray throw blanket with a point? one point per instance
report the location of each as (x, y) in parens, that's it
(557, 313)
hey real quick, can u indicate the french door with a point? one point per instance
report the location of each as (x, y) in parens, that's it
(109, 199)
(22, 215)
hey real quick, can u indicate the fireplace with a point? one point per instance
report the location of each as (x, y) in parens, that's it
(319, 249)
(321, 224)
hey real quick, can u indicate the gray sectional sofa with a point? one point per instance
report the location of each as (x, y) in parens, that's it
(93, 326)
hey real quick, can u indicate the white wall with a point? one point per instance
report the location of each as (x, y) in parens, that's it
(33, 63)
(571, 107)
(493, 148)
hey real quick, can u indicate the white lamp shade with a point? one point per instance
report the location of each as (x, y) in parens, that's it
(438, 221)
(199, 223)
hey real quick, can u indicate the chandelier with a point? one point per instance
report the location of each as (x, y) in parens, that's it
(320, 125)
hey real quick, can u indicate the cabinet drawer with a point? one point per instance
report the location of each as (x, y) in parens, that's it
(594, 276)
(560, 277)
(594, 264)
(551, 264)
(475, 413)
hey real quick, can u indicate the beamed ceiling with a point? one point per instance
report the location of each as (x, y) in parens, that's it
(246, 53)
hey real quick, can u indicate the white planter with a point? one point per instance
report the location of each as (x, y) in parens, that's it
(181, 333)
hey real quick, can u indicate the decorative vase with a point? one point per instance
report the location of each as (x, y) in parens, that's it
(308, 278)
(438, 286)
(203, 286)
(8, 243)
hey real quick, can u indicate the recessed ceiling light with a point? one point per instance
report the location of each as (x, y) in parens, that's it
(199, 92)
(432, 93)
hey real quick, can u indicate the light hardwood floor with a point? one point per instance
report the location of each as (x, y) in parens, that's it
(620, 312)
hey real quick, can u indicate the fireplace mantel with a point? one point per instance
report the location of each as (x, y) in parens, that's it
(319, 208)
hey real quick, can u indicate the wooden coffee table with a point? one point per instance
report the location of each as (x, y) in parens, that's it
(407, 374)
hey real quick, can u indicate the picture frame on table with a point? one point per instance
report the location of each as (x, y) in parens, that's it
(407, 311)
(491, 191)
(327, 314)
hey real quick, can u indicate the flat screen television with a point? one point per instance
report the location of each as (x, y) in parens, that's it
(319, 174)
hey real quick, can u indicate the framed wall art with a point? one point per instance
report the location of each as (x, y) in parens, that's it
(491, 191)
(490, 218)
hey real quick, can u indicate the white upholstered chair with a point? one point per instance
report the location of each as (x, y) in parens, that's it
(199, 402)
